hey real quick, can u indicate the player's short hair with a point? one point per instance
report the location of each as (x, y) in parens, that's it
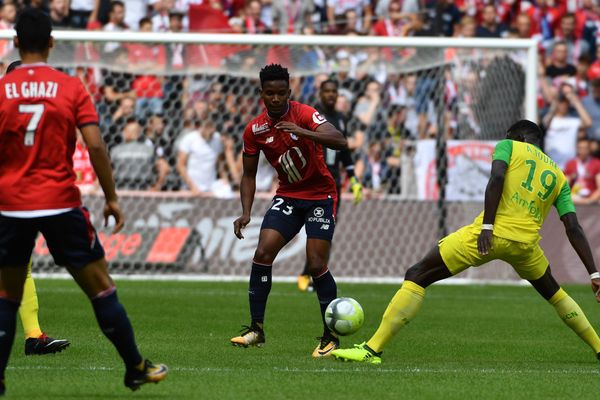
(11, 67)
(529, 131)
(33, 30)
(329, 81)
(274, 72)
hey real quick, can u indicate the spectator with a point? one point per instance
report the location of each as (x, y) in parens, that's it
(336, 14)
(155, 138)
(116, 23)
(382, 9)
(59, 13)
(592, 105)
(368, 108)
(80, 12)
(252, 21)
(490, 27)
(40, 4)
(583, 174)
(372, 169)
(563, 127)
(160, 14)
(405, 98)
(292, 16)
(134, 163)
(176, 51)
(8, 15)
(444, 15)
(559, 65)
(523, 27)
(392, 23)
(148, 88)
(124, 114)
(467, 27)
(575, 44)
(198, 153)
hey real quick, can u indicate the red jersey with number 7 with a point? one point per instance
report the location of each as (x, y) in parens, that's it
(40, 108)
(299, 162)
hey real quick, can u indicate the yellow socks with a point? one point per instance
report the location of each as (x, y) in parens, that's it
(570, 312)
(29, 308)
(402, 309)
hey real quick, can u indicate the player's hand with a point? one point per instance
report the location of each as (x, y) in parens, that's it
(484, 242)
(289, 127)
(113, 208)
(240, 224)
(596, 288)
(356, 188)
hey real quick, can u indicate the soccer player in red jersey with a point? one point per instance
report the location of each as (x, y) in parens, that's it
(40, 108)
(291, 136)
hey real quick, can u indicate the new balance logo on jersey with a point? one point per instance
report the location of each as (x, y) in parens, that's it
(256, 128)
(269, 140)
(325, 227)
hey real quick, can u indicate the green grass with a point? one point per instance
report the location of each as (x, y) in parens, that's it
(469, 342)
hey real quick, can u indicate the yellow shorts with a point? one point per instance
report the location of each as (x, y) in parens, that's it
(459, 252)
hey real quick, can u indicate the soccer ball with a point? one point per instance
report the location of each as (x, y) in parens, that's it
(344, 316)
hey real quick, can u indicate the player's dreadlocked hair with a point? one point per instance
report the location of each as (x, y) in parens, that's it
(33, 30)
(274, 72)
(525, 130)
(329, 81)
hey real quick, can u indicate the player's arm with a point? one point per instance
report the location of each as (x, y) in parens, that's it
(102, 168)
(325, 134)
(247, 191)
(493, 193)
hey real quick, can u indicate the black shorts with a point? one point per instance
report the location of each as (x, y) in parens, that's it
(287, 216)
(71, 239)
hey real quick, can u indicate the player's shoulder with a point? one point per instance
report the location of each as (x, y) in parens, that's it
(258, 124)
(297, 107)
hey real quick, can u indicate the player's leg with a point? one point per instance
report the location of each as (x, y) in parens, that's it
(17, 238)
(280, 224)
(455, 253)
(407, 301)
(36, 342)
(567, 309)
(73, 243)
(319, 220)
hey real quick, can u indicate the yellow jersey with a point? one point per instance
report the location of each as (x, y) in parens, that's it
(532, 184)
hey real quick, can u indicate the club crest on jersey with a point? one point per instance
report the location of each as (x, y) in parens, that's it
(318, 118)
(258, 129)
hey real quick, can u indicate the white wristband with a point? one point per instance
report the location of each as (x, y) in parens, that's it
(487, 227)
(595, 275)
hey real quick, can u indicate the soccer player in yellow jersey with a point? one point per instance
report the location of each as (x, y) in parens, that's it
(524, 184)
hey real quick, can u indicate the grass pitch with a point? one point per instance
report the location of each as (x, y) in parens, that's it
(468, 342)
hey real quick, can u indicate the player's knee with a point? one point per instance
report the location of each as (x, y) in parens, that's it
(316, 265)
(414, 274)
(264, 256)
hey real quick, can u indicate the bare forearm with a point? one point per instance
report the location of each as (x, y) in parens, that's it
(333, 140)
(103, 170)
(247, 190)
(493, 193)
(582, 247)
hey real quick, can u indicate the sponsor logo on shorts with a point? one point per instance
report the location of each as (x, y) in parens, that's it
(318, 212)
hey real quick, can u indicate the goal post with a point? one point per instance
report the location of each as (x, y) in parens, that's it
(423, 114)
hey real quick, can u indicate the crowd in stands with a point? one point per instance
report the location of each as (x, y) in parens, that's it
(182, 131)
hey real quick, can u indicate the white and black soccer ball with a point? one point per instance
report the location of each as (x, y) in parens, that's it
(344, 316)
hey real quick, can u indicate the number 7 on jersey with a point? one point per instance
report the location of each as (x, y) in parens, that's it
(36, 111)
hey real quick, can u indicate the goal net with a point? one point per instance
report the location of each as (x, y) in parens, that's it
(423, 115)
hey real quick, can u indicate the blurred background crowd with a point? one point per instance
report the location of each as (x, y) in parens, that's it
(181, 131)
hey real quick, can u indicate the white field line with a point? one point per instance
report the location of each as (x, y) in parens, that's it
(367, 370)
(287, 279)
